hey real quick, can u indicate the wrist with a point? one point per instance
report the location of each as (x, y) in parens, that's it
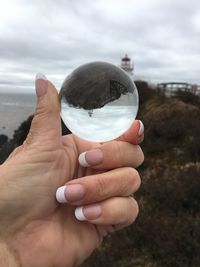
(7, 258)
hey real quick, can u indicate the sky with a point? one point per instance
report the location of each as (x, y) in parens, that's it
(54, 37)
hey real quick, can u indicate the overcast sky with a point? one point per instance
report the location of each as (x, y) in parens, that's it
(55, 36)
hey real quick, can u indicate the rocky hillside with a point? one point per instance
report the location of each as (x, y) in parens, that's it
(166, 233)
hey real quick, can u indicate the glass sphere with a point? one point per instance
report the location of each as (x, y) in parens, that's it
(99, 101)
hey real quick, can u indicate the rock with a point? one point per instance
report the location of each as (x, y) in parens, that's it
(3, 139)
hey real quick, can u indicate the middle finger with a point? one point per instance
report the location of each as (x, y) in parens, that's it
(94, 188)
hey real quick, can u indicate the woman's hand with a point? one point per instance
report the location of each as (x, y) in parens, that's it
(34, 227)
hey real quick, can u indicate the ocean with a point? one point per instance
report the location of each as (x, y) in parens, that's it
(14, 109)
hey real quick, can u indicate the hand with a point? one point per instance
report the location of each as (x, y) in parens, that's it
(36, 229)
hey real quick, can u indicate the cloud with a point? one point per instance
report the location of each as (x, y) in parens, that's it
(54, 37)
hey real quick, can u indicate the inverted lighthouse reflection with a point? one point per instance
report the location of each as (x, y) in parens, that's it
(99, 102)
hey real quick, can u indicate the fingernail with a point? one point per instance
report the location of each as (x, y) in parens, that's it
(41, 84)
(88, 212)
(91, 158)
(60, 194)
(141, 129)
(70, 193)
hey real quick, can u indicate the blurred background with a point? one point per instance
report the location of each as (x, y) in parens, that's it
(157, 43)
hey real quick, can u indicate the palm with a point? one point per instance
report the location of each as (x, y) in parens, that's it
(53, 229)
(59, 237)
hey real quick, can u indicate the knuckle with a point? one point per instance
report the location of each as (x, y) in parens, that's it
(101, 186)
(133, 210)
(117, 151)
(140, 156)
(131, 182)
(134, 176)
(131, 172)
(41, 109)
(137, 181)
(44, 109)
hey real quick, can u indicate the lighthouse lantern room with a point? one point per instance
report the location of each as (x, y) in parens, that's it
(127, 65)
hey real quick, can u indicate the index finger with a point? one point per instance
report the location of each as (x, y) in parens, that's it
(135, 134)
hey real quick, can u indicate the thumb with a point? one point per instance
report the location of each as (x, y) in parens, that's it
(46, 122)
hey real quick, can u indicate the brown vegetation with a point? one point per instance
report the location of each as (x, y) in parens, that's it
(166, 232)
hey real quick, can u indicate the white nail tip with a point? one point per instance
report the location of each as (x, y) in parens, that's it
(82, 160)
(40, 76)
(141, 130)
(60, 194)
(79, 214)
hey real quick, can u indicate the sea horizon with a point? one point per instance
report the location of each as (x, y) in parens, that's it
(15, 108)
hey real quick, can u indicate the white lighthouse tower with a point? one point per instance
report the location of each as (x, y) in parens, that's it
(127, 65)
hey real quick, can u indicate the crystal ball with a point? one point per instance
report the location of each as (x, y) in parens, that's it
(99, 102)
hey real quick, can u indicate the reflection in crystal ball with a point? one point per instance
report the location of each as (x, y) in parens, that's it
(99, 102)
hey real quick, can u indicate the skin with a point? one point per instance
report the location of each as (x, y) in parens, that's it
(35, 230)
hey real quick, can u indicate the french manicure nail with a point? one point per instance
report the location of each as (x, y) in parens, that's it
(91, 158)
(40, 76)
(79, 214)
(82, 160)
(70, 193)
(60, 194)
(141, 129)
(41, 84)
(86, 213)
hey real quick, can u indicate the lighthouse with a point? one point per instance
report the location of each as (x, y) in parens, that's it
(127, 65)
